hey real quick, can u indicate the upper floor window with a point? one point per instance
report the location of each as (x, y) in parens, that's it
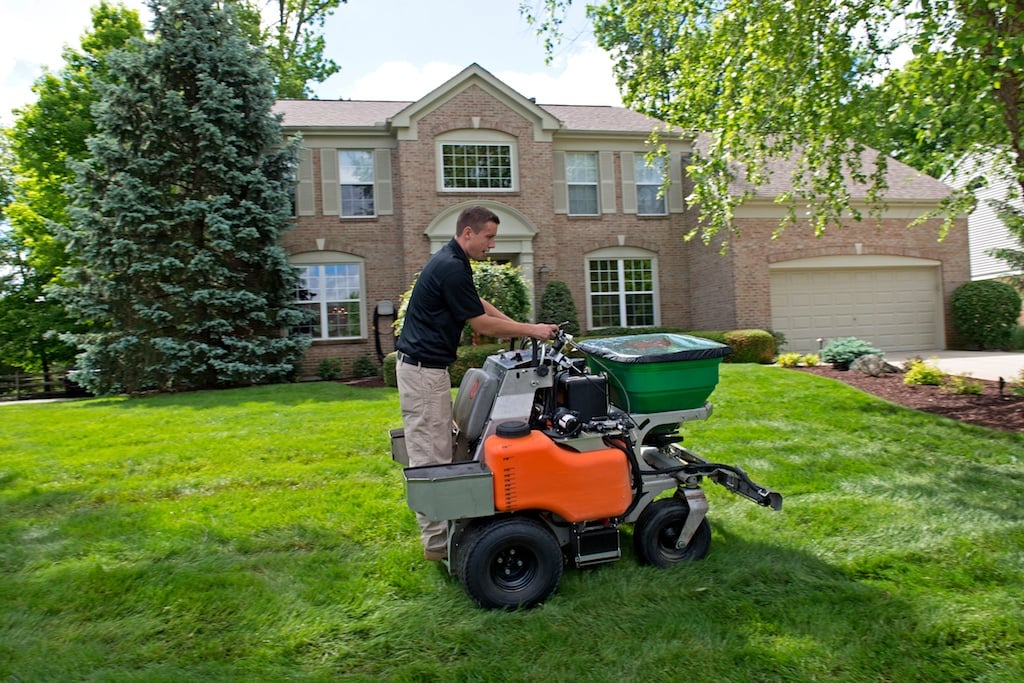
(581, 178)
(649, 179)
(333, 294)
(355, 167)
(477, 167)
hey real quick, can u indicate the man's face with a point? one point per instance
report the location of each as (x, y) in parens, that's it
(479, 243)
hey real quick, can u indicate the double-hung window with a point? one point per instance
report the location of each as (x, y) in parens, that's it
(355, 169)
(581, 177)
(333, 295)
(649, 179)
(622, 291)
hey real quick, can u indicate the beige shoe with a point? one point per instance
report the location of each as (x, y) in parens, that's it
(436, 555)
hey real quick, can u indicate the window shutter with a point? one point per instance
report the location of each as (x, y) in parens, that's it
(675, 189)
(628, 182)
(330, 181)
(606, 169)
(383, 197)
(559, 187)
(305, 205)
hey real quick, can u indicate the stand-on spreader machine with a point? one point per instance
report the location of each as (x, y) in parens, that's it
(552, 454)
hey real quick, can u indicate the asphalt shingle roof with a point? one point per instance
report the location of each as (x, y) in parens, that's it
(368, 113)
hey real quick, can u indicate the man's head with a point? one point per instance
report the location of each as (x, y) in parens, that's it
(476, 230)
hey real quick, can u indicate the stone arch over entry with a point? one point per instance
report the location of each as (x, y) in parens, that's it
(513, 244)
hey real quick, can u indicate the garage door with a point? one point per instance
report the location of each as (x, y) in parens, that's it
(895, 309)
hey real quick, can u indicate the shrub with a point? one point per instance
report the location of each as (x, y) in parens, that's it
(750, 346)
(919, 372)
(501, 284)
(843, 351)
(962, 385)
(788, 360)
(1016, 342)
(364, 366)
(388, 369)
(1017, 384)
(985, 312)
(557, 306)
(329, 369)
(811, 360)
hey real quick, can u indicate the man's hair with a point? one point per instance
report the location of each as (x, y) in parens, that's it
(475, 217)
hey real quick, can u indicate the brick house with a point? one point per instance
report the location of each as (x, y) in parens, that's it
(380, 185)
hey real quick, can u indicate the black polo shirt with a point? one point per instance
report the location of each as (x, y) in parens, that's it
(443, 299)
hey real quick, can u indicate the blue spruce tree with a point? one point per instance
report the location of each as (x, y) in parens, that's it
(177, 216)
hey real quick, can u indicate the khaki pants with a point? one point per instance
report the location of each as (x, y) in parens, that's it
(426, 398)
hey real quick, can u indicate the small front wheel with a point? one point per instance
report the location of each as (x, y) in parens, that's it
(510, 563)
(656, 532)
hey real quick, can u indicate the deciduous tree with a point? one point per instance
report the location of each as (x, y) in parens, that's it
(291, 33)
(816, 81)
(48, 135)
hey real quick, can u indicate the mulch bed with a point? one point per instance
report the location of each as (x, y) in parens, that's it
(991, 408)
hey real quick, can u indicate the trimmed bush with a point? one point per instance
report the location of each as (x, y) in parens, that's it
(985, 312)
(329, 369)
(750, 346)
(388, 368)
(365, 366)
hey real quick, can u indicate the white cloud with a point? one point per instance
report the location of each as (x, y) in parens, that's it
(32, 37)
(584, 77)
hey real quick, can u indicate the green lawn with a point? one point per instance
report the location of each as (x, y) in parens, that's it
(262, 535)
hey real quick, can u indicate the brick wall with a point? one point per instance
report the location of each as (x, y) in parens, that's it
(700, 287)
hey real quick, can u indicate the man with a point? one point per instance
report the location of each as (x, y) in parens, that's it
(442, 302)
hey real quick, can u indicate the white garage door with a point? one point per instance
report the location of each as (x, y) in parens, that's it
(895, 309)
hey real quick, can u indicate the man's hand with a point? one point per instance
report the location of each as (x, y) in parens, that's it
(544, 331)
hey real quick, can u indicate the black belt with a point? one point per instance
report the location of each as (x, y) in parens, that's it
(406, 358)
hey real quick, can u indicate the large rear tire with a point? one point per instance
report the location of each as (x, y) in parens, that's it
(656, 532)
(509, 563)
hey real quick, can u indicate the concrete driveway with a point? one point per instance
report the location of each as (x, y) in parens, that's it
(978, 364)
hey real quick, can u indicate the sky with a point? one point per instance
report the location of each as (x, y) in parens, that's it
(387, 49)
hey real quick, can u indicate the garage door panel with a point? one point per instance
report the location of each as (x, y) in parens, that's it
(893, 308)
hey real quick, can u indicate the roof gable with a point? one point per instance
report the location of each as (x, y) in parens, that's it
(404, 121)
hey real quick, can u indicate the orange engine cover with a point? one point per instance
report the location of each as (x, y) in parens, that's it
(533, 472)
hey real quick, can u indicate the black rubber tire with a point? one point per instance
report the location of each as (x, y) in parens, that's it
(510, 563)
(655, 534)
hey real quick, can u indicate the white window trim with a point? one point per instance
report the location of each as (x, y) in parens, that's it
(327, 258)
(372, 183)
(596, 183)
(477, 137)
(641, 159)
(620, 253)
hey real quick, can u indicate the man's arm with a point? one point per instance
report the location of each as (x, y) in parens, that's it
(494, 323)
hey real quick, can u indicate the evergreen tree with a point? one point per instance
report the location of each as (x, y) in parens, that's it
(557, 306)
(177, 216)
